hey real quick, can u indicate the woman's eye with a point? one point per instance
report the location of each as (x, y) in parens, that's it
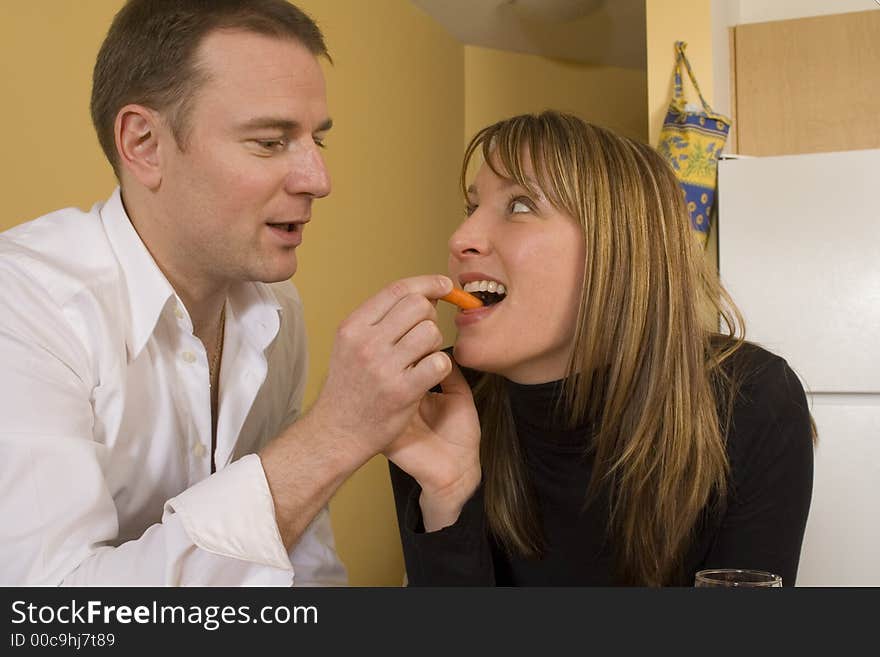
(319, 141)
(518, 207)
(469, 209)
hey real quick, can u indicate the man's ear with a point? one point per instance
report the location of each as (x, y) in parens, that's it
(138, 131)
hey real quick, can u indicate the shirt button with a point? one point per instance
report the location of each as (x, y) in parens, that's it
(199, 450)
(189, 357)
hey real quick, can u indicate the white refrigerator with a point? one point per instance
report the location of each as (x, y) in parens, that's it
(799, 250)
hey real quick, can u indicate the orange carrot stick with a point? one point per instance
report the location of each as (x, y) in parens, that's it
(462, 299)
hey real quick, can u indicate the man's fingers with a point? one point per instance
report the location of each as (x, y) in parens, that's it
(429, 371)
(421, 340)
(455, 383)
(372, 311)
(406, 314)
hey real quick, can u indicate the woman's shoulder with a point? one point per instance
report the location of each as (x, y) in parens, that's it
(763, 379)
(770, 414)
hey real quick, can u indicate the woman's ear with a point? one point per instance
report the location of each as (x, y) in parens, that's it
(138, 131)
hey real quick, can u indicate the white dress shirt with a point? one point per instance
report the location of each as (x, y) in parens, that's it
(105, 419)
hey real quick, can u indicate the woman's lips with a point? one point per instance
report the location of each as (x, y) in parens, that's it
(470, 317)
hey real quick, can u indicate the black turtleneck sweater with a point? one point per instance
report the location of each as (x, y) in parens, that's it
(761, 525)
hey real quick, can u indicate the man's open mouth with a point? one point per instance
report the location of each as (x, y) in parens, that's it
(489, 292)
(286, 227)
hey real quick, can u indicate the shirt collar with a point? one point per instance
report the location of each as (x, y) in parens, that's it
(149, 292)
(255, 307)
(148, 289)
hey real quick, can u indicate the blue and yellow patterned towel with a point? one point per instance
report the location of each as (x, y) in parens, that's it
(691, 142)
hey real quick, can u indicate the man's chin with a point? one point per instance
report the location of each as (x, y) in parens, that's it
(276, 274)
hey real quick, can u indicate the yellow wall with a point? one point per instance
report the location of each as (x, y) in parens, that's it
(393, 155)
(499, 84)
(668, 21)
(50, 156)
(396, 96)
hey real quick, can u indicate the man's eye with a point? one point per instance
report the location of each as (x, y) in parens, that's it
(272, 144)
(319, 141)
(469, 209)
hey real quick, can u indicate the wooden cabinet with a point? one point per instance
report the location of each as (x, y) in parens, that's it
(807, 85)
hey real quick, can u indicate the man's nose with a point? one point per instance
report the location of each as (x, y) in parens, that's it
(308, 174)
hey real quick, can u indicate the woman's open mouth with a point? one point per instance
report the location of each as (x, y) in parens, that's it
(489, 292)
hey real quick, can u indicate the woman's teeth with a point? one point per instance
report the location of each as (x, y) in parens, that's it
(489, 292)
(485, 286)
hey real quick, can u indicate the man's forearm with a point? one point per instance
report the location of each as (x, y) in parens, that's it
(304, 467)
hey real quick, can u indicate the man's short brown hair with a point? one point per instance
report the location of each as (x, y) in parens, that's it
(149, 55)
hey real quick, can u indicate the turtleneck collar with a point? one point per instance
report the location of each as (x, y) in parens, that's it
(541, 419)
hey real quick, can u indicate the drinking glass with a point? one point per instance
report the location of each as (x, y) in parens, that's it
(737, 577)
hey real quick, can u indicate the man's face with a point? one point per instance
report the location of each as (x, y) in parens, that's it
(235, 200)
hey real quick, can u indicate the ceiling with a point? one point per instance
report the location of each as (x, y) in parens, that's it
(598, 32)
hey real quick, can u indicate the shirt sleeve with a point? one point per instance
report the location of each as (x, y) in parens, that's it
(60, 524)
(771, 477)
(294, 352)
(207, 537)
(314, 558)
(458, 555)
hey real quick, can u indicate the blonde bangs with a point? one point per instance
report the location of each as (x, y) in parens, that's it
(507, 147)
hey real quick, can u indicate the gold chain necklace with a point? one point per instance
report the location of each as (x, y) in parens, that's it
(213, 386)
(218, 350)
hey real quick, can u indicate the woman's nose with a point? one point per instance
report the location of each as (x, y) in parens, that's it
(470, 239)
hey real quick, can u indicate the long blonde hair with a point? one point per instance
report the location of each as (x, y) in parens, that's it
(645, 371)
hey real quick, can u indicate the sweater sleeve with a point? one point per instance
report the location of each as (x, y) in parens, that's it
(458, 555)
(771, 450)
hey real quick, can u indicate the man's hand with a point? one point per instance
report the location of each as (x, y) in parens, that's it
(383, 362)
(441, 450)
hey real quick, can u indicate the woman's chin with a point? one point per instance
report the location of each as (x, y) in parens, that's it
(474, 357)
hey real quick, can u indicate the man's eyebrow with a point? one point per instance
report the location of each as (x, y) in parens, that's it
(285, 125)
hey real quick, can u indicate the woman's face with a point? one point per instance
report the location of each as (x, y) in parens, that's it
(517, 239)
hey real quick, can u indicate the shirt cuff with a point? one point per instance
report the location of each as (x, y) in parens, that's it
(232, 514)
